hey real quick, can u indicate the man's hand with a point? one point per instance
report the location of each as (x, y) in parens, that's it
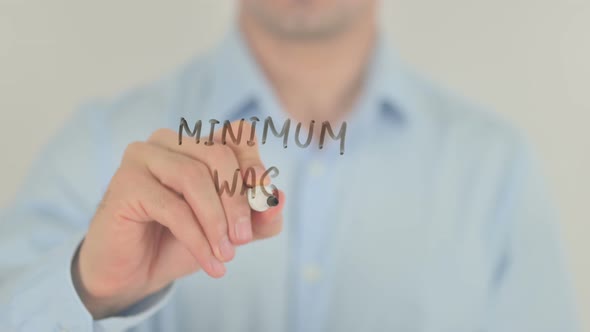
(162, 218)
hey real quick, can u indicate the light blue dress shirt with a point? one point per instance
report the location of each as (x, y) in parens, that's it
(433, 219)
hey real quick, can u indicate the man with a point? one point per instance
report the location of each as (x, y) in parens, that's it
(433, 218)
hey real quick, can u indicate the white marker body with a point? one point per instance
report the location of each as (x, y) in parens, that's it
(260, 200)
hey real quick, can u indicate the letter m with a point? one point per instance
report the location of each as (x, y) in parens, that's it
(196, 132)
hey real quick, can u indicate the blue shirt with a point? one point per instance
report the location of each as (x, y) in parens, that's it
(434, 218)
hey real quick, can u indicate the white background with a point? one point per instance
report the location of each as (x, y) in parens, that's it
(528, 59)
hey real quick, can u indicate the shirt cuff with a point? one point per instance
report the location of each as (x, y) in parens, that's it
(137, 313)
(44, 298)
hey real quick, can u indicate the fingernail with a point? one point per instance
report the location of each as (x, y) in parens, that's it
(226, 249)
(217, 267)
(243, 229)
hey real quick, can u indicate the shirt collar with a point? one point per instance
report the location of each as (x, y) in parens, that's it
(385, 97)
(239, 88)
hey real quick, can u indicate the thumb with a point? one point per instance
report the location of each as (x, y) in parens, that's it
(270, 222)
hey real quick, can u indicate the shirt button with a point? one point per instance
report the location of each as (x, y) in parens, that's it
(316, 168)
(312, 273)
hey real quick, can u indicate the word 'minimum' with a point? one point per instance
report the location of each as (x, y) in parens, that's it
(268, 124)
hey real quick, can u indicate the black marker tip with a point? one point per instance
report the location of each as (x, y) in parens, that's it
(272, 201)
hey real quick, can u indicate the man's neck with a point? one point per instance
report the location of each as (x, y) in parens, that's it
(314, 79)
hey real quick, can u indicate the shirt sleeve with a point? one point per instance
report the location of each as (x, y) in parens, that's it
(42, 229)
(531, 289)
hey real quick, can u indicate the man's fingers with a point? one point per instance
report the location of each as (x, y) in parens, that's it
(261, 225)
(168, 209)
(222, 164)
(228, 181)
(192, 179)
(270, 222)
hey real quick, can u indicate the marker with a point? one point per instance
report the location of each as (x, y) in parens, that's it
(261, 200)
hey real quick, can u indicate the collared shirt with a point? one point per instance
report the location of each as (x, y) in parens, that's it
(433, 219)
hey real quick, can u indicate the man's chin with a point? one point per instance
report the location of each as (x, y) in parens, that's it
(305, 25)
(304, 30)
